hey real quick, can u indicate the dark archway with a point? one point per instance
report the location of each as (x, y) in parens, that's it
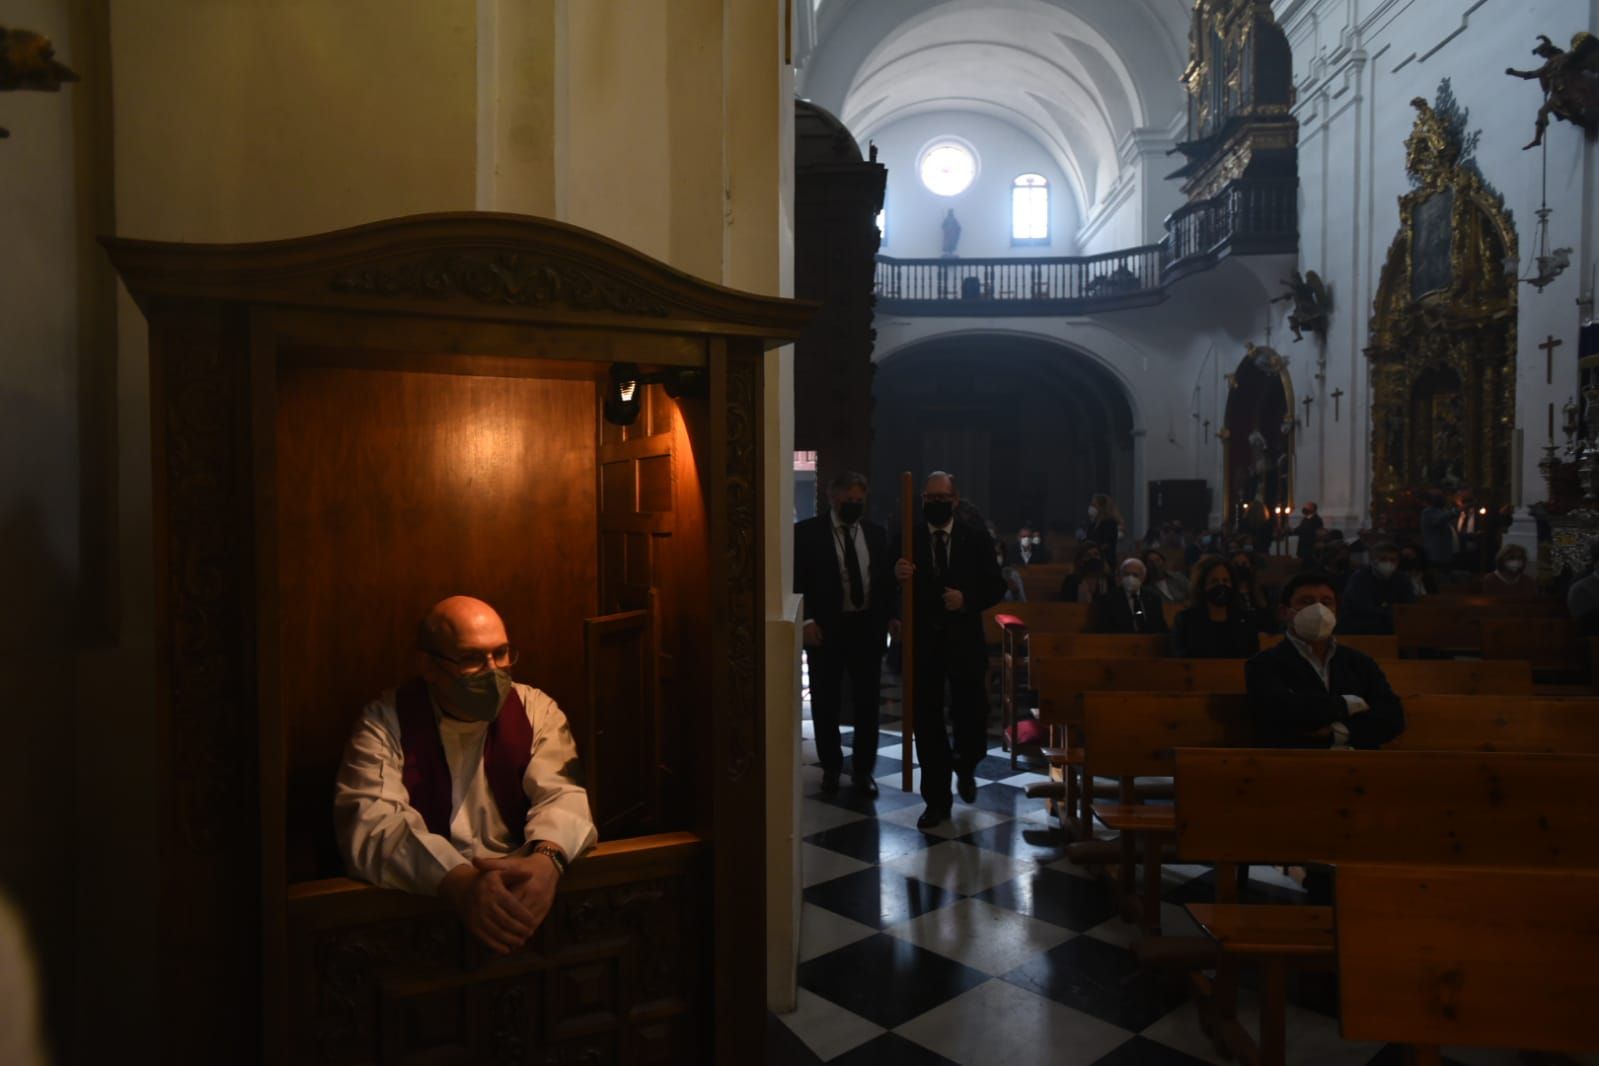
(1030, 427)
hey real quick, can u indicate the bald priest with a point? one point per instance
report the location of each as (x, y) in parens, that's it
(465, 784)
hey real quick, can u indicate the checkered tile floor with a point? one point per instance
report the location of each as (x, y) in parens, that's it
(979, 944)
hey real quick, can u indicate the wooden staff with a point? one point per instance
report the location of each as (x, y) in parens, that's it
(907, 633)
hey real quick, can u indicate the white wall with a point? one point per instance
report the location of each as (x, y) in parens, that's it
(1356, 67)
(916, 215)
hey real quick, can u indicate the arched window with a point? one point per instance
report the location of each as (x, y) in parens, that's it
(1029, 209)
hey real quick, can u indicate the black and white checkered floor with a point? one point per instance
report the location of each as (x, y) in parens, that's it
(978, 943)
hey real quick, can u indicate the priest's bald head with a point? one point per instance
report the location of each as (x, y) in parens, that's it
(465, 653)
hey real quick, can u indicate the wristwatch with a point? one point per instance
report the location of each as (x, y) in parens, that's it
(557, 856)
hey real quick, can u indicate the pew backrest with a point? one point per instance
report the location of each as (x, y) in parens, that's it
(1255, 805)
(1041, 617)
(1494, 723)
(1058, 645)
(1421, 677)
(1453, 623)
(1137, 734)
(1547, 643)
(1468, 955)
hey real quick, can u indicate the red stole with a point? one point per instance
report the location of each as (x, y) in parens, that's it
(507, 749)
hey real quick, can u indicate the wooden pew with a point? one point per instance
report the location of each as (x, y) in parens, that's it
(1288, 807)
(1099, 645)
(1041, 617)
(1378, 647)
(1554, 644)
(1042, 583)
(1453, 623)
(1471, 956)
(1136, 734)
(1061, 683)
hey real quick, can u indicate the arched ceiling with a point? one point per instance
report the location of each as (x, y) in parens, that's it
(1076, 75)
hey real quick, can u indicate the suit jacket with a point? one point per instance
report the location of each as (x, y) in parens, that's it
(1307, 536)
(817, 577)
(1013, 555)
(1195, 636)
(1291, 708)
(1115, 613)
(1367, 604)
(955, 636)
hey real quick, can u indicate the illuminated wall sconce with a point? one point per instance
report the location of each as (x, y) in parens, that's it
(624, 392)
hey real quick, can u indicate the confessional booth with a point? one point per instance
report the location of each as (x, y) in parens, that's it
(349, 427)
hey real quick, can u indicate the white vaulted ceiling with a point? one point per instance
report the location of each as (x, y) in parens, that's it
(1076, 75)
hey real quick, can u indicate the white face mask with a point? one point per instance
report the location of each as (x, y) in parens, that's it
(1385, 570)
(1514, 566)
(1315, 623)
(1093, 513)
(1132, 583)
(1037, 541)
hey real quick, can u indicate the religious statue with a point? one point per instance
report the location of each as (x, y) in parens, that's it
(27, 61)
(952, 233)
(1312, 303)
(1570, 82)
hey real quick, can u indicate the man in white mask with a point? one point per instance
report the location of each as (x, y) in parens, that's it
(1308, 692)
(1028, 549)
(464, 784)
(1131, 606)
(1373, 591)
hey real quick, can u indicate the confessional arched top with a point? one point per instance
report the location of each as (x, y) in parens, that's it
(349, 427)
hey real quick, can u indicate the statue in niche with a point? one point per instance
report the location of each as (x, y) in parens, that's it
(952, 233)
(1312, 303)
(1570, 82)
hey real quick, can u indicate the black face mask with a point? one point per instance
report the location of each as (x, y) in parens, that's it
(937, 512)
(1219, 595)
(850, 511)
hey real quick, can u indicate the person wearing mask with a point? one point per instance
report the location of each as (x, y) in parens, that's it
(1105, 526)
(1509, 577)
(1028, 549)
(1373, 591)
(956, 578)
(1132, 606)
(1308, 692)
(1088, 580)
(1440, 539)
(1251, 597)
(843, 572)
(1214, 626)
(1310, 524)
(1582, 598)
(1170, 586)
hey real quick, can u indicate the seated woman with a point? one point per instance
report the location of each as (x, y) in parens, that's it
(1215, 625)
(1509, 577)
(1251, 597)
(1089, 579)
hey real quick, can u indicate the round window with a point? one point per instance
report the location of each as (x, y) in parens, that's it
(947, 168)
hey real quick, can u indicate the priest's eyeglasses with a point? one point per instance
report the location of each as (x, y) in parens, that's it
(477, 662)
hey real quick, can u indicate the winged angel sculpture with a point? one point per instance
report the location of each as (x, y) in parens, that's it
(1312, 303)
(1570, 82)
(28, 62)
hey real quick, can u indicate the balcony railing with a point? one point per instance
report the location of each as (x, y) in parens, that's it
(1244, 219)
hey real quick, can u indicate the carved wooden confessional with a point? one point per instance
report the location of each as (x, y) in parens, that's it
(349, 427)
(1443, 326)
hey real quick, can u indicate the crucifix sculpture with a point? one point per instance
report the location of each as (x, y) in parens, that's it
(1307, 401)
(1549, 347)
(1337, 394)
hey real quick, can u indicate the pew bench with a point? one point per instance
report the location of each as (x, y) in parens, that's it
(1552, 645)
(1418, 965)
(1453, 624)
(1289, 807)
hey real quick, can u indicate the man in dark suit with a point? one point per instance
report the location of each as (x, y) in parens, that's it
(1308, 692)
(1132, 606)
(842, 569)
(1309, 525)
(957, 577)
(1028, 549)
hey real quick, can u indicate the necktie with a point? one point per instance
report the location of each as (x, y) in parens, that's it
(1137, 604)
(941, 550)
(852, 567)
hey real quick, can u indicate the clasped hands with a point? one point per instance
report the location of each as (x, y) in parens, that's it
(502, 901)
(904, 569)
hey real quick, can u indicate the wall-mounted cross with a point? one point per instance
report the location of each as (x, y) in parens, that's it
(1307, 401)
(1337, 394)
(1549, 347)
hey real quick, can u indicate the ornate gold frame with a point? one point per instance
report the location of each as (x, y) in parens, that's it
(1466, 324)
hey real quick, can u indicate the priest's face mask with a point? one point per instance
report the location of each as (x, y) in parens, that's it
(467, 668)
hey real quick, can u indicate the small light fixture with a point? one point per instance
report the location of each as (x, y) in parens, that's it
(622, 399)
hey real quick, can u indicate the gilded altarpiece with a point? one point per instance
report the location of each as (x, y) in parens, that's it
(1443, 327)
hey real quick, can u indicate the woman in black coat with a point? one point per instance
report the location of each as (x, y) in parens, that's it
(1215, 625)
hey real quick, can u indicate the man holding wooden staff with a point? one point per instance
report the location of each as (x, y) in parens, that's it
(956, 578)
